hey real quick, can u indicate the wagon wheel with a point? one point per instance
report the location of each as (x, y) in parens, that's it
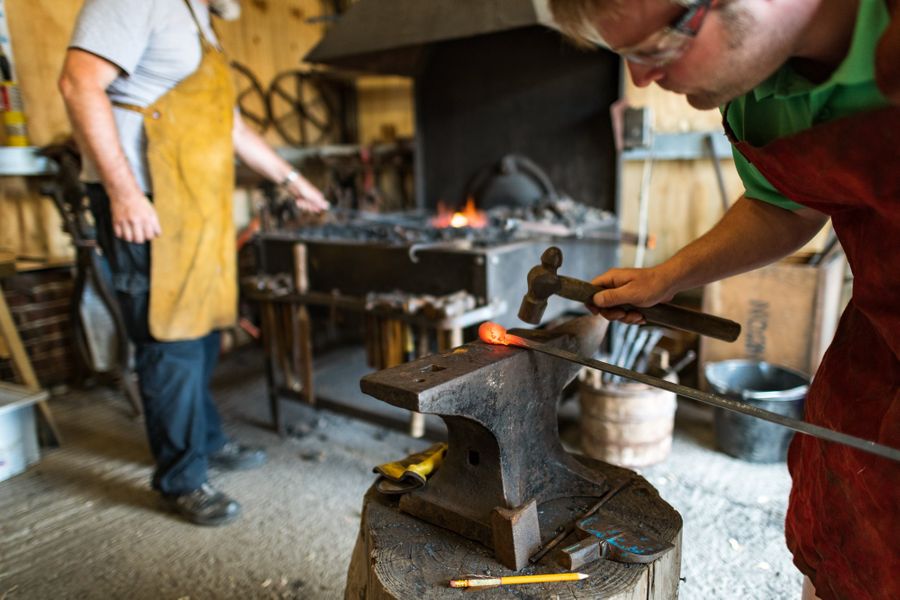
(251, 98)
(301, 107)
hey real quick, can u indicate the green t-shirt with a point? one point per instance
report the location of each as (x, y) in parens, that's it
(787, 103)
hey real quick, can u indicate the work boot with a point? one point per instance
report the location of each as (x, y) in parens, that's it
(237, 457)
(204, 506)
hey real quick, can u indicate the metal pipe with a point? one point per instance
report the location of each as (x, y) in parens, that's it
(714, 399)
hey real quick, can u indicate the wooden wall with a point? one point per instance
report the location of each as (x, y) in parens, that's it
(684, 196)
(39, 29)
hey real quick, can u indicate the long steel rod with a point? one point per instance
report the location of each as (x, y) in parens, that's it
(715, 400)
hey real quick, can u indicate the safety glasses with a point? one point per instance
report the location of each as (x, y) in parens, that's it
(669, 43)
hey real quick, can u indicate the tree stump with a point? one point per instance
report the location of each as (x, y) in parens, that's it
(399, 557)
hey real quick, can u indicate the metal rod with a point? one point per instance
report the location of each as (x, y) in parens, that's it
(715, 400)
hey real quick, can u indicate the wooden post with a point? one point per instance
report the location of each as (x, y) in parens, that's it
(416, 420)
(270, 347)
(22, 366)
(303, 329)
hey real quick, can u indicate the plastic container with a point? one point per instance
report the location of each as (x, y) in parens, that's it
(18, 429)
(766, 386)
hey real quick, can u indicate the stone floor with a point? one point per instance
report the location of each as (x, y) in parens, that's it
(84, 524)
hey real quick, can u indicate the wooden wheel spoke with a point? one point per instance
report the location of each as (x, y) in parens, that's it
(250, 94)
(299, 107)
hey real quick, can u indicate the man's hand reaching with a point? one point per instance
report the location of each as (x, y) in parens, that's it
(307, 196)
(638, 287)
(134, 219)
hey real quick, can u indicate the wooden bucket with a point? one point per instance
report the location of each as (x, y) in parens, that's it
(625, 424)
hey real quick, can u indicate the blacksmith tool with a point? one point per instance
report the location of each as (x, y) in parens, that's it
(492, 333)
(407, 474)
(605, 536)
(568, 529)
(544, 281)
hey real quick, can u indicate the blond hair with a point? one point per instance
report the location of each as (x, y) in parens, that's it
(576, 18)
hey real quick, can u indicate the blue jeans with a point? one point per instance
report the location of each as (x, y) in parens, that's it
(183, 424)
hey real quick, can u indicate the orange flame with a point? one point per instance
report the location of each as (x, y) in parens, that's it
(470, 216)
(492, 333)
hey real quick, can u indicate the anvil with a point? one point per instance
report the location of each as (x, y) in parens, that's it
(505, 457)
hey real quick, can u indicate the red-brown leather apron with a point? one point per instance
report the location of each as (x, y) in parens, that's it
(843, 520)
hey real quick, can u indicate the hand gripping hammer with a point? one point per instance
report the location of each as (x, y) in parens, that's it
(543, 282)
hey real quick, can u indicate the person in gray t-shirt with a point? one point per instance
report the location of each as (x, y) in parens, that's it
(132, 52)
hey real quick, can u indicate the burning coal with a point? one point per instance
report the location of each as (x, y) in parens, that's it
(469, 216)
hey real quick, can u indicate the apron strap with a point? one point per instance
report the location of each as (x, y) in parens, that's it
(144, 110)
(729, 132)
(206, 43)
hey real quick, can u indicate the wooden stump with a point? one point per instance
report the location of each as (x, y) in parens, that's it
(399, 557)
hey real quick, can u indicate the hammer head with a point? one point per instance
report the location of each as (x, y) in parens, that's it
(543, 282)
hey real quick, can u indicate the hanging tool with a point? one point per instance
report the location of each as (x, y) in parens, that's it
(689, 357)
(644, 361)
(543, 282)
(492, 333)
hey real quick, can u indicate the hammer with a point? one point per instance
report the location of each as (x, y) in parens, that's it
(543, 282)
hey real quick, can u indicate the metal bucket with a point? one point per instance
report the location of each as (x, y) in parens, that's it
(766, 386)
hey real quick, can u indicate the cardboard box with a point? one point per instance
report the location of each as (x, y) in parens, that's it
(788, 312)
(18, 429)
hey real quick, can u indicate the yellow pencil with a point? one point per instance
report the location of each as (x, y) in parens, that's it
(517, 579)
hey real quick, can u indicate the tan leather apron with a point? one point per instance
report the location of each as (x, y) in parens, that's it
(193, 273)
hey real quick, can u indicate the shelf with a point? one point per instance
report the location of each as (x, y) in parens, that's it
(24, 161)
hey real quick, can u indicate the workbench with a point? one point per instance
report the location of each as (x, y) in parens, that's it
(394, 335)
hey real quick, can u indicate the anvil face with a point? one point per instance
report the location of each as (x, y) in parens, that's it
(500, 407)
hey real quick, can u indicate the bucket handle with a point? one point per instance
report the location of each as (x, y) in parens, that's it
(791, 394)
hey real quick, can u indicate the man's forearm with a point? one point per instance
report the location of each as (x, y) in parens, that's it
(254, 152)
(257, 154)
(90, 112)
(750, 235)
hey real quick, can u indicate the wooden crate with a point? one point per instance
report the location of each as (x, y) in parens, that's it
(788, 311)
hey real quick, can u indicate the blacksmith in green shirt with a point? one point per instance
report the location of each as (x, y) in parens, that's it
(810, 92)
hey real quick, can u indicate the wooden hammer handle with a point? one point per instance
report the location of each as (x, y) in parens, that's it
(667, 315)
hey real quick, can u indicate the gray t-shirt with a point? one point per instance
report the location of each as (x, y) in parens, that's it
(155, 44)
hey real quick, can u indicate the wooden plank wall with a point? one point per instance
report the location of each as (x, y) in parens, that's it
(684, 196)
(385, 102)
(39, 29)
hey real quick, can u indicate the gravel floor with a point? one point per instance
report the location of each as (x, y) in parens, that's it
(84, 524)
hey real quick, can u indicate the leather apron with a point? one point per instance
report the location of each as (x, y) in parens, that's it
(193, 272)
(843, 520)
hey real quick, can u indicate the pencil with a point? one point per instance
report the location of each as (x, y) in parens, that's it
(517, 579)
